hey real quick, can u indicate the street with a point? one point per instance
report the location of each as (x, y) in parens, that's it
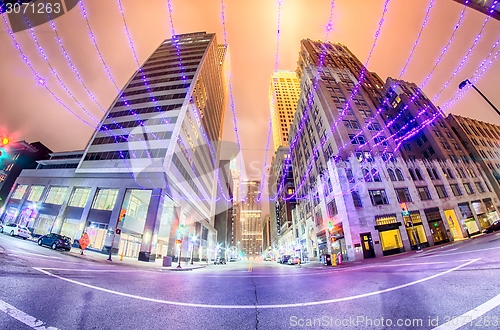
(45, 289)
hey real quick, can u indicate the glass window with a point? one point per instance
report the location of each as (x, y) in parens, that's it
(419, 174)
(378, 197)
(424, 194)
(20, 191)
(376, 175)
(79, 197)
(480, 187)
(105, 199)
(35, 193)
(456, 189)
(403, 195)
(391, 239)
(356, 198)
(468, 188)
(56, 195)
(399, 175)
(392, 176)
(441, 191)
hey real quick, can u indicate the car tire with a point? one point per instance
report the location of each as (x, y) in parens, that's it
(24, 238)
(12, 233)
(54, 246)
(67, 250)
(40, 242)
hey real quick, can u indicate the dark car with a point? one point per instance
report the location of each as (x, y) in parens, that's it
(220, 261)
(284, 258)
(55, 241)
(493, 227)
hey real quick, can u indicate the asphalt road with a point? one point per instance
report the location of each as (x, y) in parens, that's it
(459, 283)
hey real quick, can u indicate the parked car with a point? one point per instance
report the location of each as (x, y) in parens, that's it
(220, 261)
(233, 259)
(293, 260)
(493, 227)
(14, 229)
(284, 259)
(55, 241)
(268, 258)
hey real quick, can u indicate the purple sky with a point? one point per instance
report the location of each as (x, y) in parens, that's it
(30, 113)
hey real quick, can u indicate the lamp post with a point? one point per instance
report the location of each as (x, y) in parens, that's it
(467, 81)
(193, 240)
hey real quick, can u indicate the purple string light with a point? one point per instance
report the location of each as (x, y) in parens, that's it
(431, 3)
(467, 55)
(445, 49)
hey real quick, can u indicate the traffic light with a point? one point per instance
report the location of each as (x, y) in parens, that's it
(123, 213)
(5, 141)
(404, 207)
(178, 241)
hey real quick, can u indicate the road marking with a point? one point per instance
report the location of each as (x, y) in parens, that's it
(34, 254)
(470, 316)
(93, 270)
(21, 316)
(312, 303)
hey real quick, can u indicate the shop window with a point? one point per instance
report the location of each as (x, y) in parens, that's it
(20, 191)
(391, 240)
(79, 197)
(105, 199)
(56, 195)
(35, 193)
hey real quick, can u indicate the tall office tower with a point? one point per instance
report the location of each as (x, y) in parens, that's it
(224, 210)
(251, 222)
(149, 169)
(408, 109)
(483, 6)
(482, 142)
(284, 93)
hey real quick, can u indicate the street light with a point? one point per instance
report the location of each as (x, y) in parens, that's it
(467, 81)
(193, 240)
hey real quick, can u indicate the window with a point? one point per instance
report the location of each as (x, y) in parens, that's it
(105, 199)
(376, 175)
(20, 191)
(424, 194)
(480, 187)
(412, 174)
(356, 198)
(456, 189)
(378, 197)
(419, 174)
(436, 176)
(35, 193)
(391, 174)
(331, 208)
(399, 175)
(468, 188)
(56, 195)
(403, 195)
(79, 197)
(441, 191)
(366, 175)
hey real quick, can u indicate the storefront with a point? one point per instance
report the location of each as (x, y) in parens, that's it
(72, 228)
(390, 236)
(468, 219)
(490, 210)
(97, 233)
(415, 231)
(338, 240)
(436, 225)
(322, 243)
(454, 224)
(130, 245)
(43, 224)
(482, 216)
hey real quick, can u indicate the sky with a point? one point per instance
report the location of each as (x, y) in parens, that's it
(29, 112)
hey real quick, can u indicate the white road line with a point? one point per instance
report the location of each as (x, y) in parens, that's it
(33, 254)
(312, 303)
(21, 316)
(92, 270)
(471, 315)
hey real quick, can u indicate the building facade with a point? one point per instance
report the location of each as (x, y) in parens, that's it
(487, 7)
(149, 169)
(16, 157)
(251, 220)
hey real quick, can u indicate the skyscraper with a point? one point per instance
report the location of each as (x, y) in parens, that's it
(251, 222)
(484, 6)
(150, 169)
(284, 93)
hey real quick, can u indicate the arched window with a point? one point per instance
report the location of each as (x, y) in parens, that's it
(435, 173)
(391, 174)
(376, 175)
(366, 175)
(419, 174)
(430, 174)
(450, 175)
(399, 175)
(412, 174)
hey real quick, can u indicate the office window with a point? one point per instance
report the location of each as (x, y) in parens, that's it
(441, 191)
(378, 197)
(20, 191)
(403, 195)
(56, 195)
(79, 197)
(356, 198)
(480, 187)
(105, 199)
(331, 208)
(468, 188)
(35, 193)
(456, 190)
(376, 175)
(423, 193)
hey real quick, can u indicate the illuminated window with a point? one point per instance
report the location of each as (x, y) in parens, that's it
(35, 193)
(56, 195)
(105, 199)
(79, 197)
(20, 191)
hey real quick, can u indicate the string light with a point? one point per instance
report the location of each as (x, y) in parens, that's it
(431, 3)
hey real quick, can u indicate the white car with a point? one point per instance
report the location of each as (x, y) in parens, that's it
(13, 229)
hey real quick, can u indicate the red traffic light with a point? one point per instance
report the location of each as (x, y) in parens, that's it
(178, 241)
(5, 141)
(404, 207)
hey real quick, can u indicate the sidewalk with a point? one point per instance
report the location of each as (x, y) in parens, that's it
(102, 258)
(384, 259)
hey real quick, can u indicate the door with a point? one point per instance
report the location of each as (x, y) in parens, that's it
(367, 244)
